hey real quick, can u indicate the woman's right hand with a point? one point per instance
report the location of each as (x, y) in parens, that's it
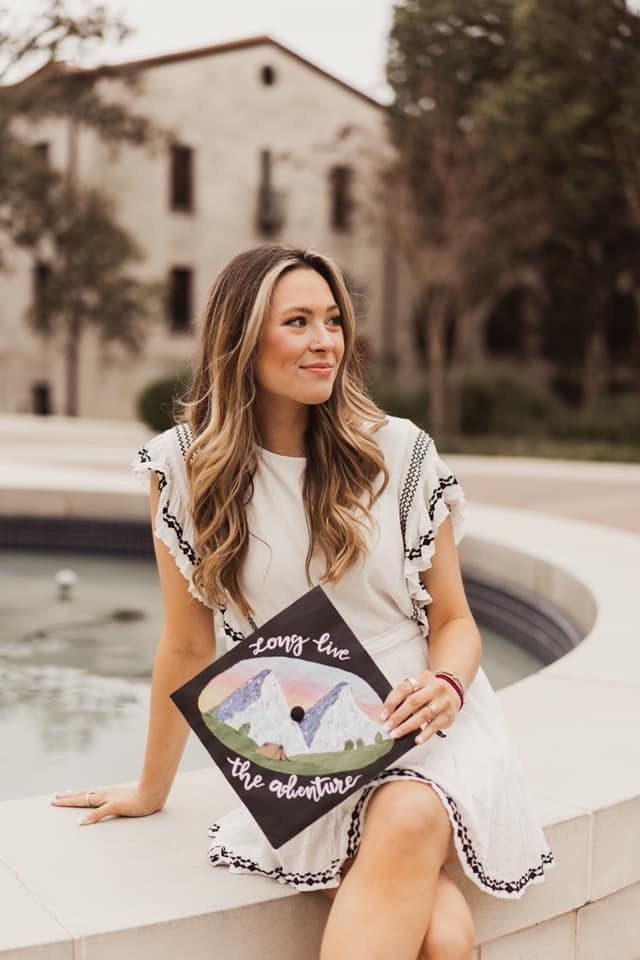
(108, 802)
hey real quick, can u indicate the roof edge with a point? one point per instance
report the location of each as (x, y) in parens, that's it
(159, 60)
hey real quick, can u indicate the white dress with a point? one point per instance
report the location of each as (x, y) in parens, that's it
(474, 771)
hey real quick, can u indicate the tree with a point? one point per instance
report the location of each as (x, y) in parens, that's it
(569, 114)
(443, 56)
(87, 282)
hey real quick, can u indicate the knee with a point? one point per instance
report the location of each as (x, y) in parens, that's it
(449, 940)
(409, 816)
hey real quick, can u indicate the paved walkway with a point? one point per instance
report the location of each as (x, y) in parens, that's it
(596, 492)
(38, 454)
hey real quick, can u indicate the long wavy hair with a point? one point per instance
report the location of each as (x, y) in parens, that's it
(345, 471)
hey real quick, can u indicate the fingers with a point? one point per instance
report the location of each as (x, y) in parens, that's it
(429, 713)
(91, 799)
(402, 702)
(100, 813)
(74, 798)
(407, 710)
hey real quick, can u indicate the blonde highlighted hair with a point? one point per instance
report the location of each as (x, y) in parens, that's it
(344, 462)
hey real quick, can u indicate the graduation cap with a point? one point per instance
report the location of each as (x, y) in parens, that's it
(290, 715)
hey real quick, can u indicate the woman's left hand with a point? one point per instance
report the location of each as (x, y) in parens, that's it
(435, 703)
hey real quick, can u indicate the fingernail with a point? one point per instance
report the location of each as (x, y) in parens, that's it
(386, 726)
(395, 733)
(82, 821)
(384, 714)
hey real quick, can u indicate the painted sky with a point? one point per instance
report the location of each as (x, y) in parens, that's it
(298, 679)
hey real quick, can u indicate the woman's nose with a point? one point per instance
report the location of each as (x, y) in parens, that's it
(321, 338)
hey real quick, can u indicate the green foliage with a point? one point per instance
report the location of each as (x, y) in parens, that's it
(542, 97)
(615, 419)
(88, 280)
(498, 403)
(503, 403)
(401, 402)
(245, 730)
(156, 403)
(348, 745)
(48, 210)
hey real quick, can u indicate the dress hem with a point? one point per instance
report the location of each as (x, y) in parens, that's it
(328, 878)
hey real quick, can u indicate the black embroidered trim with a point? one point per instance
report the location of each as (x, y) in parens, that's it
(353, 842)
(170, 518)
(421, 445)
(277, 873)
(185, 437)
(234, 635)
(412, 552)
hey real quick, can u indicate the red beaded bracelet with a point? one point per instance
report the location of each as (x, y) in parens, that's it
(454, 682)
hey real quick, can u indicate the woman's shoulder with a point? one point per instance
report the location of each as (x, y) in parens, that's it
(165, 454)
(169, 445)
(396, 437)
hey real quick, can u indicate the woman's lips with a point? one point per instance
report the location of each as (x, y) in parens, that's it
(319, 369)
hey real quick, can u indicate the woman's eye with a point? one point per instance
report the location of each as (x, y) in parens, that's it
(297, 321)
(336, 320)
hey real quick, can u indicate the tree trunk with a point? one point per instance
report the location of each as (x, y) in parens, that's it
(71, 358)
(436, 315)
(594, 370)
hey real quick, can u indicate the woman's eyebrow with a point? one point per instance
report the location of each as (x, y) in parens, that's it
(333, 306)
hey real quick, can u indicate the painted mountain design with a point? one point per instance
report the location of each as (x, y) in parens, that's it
(336, 718)
(259, 709)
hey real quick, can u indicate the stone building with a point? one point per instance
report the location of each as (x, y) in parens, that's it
(266, 147)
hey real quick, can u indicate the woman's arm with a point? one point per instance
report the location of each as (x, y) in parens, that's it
(455, 645)
(186, 646)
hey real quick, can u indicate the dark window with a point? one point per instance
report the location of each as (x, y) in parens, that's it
(41, 150)
(341, 182)
(181, 178)
(41, 399)
(270, 205)
(268, 76)
(41, 284)
(180, 298)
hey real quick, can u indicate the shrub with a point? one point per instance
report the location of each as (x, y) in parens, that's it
(499, 402)
(616, 419)
(155, 403)
(401, 401)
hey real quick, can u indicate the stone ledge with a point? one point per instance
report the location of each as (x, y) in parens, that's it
(573, 722)
(60, 878)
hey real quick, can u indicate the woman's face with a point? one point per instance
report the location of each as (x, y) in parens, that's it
(302, 342)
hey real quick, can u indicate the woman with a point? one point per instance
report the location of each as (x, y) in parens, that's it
(284, 474)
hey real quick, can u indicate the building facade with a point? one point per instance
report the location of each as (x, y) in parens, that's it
(265, 147)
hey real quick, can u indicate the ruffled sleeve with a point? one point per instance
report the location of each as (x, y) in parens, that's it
(164, 455)
(429, 493)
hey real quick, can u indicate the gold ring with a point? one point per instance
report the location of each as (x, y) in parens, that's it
(432, 710)
(88, 803)
(414, 683)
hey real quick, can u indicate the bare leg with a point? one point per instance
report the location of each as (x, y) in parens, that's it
(383, 905)
(451, 933)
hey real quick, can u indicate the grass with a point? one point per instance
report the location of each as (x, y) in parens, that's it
(540, 447)
(303, 764)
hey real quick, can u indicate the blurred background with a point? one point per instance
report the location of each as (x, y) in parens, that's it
(473, 166)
